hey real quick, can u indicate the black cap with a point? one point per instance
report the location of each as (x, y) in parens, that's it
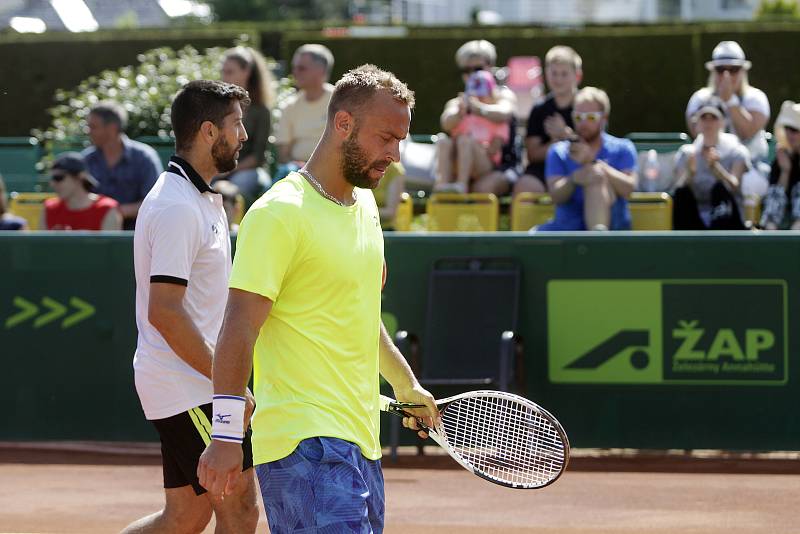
(73, 163)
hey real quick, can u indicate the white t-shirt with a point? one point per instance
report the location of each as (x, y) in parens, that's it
(752, 100)
(731, 151)
(302, 123)
(181, 237)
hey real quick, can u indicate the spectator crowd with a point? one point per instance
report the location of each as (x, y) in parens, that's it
(562, 150)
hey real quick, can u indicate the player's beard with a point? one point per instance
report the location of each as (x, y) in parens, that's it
(355, 165)
(224, 155)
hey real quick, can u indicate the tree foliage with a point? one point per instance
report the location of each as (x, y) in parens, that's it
(145, 90)
(778, 10)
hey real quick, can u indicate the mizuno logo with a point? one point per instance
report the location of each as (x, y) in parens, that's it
(220, 418)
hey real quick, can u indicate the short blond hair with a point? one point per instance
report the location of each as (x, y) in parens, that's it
(593, 94)
(479, 48)
(360, 84)
(564, 55)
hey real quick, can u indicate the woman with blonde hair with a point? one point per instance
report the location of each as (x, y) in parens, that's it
(785, 173)
(246, 67)
(746, 108)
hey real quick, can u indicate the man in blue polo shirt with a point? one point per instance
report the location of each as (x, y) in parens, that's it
(125, 169)
(591, 176)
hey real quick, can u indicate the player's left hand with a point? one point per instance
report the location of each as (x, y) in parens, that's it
(429, 415)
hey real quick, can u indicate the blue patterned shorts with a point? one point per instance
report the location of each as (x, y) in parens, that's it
(325, 486)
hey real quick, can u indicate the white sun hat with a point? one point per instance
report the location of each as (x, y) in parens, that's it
(728, 53)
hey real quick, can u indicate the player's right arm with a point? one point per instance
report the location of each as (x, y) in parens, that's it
(245, 313)
(166, 313)
(264, 250)
(174, 236)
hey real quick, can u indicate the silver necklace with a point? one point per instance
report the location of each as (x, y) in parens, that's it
(318, 187)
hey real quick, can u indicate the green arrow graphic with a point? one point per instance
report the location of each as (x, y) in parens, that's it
(84, 310)
(29, 309)
(56, 310)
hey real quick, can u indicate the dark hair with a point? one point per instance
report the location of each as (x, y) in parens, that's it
(359, 85)
(200, 101)
(259, 83)
(111, 113)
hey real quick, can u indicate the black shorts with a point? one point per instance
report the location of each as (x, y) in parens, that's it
(183, 439)
(538, 173)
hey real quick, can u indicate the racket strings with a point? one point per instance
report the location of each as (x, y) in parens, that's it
(505, 440)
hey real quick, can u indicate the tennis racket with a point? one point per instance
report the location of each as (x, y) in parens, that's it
(501, 437)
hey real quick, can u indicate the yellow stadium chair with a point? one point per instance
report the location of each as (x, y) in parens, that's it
(529, 210)
(650, 211)
(404, 213)
(29, 206)
(454, 212)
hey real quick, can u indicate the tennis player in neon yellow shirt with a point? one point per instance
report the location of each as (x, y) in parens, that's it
(304, 310)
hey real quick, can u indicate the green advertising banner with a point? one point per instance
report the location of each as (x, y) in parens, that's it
(711, 332)
(655, 341)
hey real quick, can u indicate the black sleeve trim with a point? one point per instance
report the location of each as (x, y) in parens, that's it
(163, 279)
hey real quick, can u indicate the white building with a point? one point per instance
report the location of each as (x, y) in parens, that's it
(568, 12)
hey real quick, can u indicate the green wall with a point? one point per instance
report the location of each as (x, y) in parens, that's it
(67, 333)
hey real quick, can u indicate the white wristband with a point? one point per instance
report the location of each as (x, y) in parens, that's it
(227, 418)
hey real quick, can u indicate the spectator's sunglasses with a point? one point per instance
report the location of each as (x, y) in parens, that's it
(791, 129)
(57, 177)
(733, 69)
(591, 116)
(470, 70)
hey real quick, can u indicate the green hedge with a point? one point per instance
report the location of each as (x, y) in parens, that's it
(649, 72)
(32, 67)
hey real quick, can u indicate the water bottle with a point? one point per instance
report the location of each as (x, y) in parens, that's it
(651, 171)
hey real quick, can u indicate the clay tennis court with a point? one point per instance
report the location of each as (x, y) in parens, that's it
(54, 492)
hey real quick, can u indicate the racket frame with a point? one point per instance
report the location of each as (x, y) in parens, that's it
(436, 433)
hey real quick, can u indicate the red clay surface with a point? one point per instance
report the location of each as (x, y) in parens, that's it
(87, 499)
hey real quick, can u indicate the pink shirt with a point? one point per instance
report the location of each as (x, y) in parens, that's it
(483, 131)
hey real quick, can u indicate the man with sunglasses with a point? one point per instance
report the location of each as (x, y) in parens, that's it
(76, 207)
(746, 108)
(591, 175)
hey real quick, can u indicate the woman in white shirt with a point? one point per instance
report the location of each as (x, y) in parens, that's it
(708, 195)
(746, 109)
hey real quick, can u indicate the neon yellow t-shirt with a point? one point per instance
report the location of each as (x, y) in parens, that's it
(316, 356)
